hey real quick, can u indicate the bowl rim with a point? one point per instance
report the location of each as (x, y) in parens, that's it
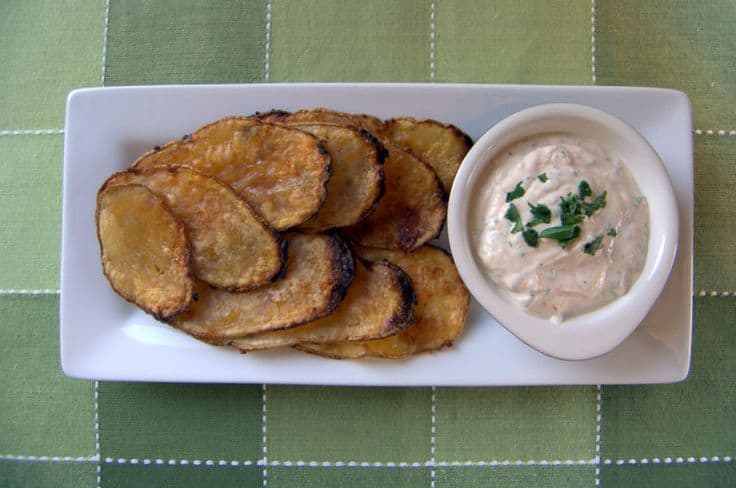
(593, 333)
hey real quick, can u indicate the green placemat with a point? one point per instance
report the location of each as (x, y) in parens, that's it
(60, 432)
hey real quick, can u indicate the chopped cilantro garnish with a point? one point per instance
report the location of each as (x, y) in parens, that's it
(612, 232)
(598, 203)
(584, 190)
(570, 212)
(542, 177)
(512, 214)
(517, 192)
(592, 246)
(541, 213)
(531, 237)
(561, 232)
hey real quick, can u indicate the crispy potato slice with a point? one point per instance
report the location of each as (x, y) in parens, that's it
(145, 253)
(319, 271)
(412, 210)
(442, 306)
(442, 146)
(323, 116)
(379, 303)
(281, 172)
(231, 245)
(356, 183)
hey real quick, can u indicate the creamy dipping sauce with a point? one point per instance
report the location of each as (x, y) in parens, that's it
(547, 280)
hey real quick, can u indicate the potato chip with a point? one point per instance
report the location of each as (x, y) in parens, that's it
(379, 303)
(282, 173)
(442, 146)
(323, 116)
(145, 253)
(412, 210)
(356, 183)
(439, 316)
(319, 270)
(231, 245)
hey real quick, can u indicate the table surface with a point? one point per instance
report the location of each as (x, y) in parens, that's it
(55, 431)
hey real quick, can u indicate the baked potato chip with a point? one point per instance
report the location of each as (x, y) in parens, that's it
(323, 116)
(145, 253)
(231, 245)
(442, 146)
(439, 316)
(319, 270)
(412, 210)
(379, 303)
(281, 172)
(356, 183)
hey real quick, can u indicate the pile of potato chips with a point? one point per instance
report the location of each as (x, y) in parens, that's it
(307, 229)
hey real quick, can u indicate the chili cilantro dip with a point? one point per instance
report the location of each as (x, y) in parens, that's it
(554, 277)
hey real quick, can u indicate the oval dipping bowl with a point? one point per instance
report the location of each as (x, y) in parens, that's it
(593, 333)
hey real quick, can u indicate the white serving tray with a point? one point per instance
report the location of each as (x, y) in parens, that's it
(103, 337)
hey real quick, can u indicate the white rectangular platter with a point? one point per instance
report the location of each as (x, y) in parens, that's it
(103, 337)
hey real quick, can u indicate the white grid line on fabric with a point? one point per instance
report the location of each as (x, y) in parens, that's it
(715, 132)
(98, 468)
(433, 437)
(267, 64)
(598, 417)
(264, 436)
(374, 464)
(432, 37)
(31, 132)
(104, 43)
(44, 291)
(49, 459)
(592, 41)
(714, 293)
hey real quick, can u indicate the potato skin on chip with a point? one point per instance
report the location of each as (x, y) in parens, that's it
(380, 302)
(442, 307)
(281, 172)
(412, 210)
(356, 183)
(319, 271)
(145, 253)
(323, 116)
(231, 246)
(442, 146)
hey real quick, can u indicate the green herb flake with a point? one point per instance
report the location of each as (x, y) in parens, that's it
(517, 192)
(570, 211)
(598, 203)
(594, 245)
(561, 232)
(542, 177)
(541, 214)
(584, 190)
(512, 215)
(612, 232)
(531, 237)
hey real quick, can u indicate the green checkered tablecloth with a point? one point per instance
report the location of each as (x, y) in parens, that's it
(59, 432)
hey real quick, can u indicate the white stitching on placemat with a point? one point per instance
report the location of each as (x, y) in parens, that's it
(432, 37)
(433, 438)
(264, 438)
(715, 132)
(45, 291)
(671, 460)
(181, 462)
(98, 468)
(714, 293)
(49, 459)
(267, 65)
(104, 43)
(598, 401)
(592, 40)
(31, 132)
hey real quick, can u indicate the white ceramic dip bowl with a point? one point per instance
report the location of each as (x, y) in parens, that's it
(593, 333)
